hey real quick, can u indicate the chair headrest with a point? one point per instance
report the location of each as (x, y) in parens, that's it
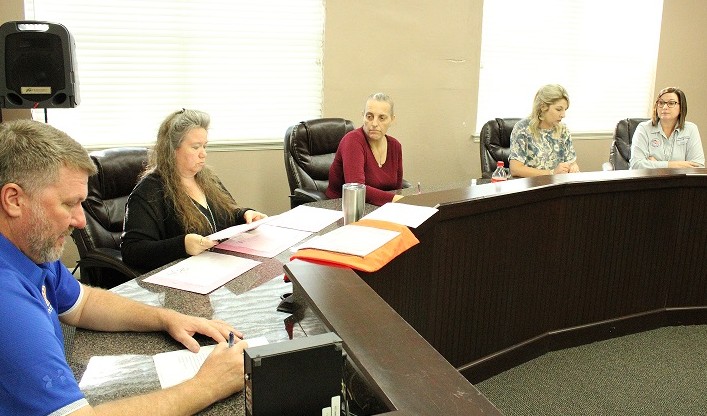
(320, 136)
(118, 170)
(498, 132)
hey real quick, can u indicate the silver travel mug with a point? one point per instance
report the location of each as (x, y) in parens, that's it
(353, 199)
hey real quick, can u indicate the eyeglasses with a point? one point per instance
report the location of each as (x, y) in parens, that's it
(662, 103)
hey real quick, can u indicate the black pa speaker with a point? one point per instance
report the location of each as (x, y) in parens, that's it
(37, 66)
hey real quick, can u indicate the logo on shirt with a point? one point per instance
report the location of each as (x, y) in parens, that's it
(655, 143)
(54, 380)
(46, 300)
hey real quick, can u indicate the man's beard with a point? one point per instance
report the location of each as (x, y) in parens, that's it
(42, 245)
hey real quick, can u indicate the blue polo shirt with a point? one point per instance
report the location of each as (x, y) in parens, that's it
(34, 375)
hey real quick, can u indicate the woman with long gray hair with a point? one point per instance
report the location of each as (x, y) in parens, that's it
(179, 199)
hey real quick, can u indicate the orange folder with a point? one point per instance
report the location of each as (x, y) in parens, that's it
(371, 262)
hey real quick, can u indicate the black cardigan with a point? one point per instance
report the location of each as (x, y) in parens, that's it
(152, 235)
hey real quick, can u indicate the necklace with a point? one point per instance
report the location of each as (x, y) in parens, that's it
(212, 221)
(377, 157)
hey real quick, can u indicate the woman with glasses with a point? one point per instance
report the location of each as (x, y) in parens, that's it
(541, 144)
(179, 199)
(667, 140)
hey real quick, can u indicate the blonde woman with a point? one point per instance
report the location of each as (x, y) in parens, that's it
(541, 144)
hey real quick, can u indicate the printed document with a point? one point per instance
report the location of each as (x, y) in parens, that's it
(351, 239)
(306, 218)
(264, 241)
(203, 273)
(400, 213)
(236, 229)
(175, 367)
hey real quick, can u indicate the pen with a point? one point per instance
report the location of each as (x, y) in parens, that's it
(231, 338)
(419, 188)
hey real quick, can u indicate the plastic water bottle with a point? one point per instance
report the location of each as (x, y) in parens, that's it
(499, 175)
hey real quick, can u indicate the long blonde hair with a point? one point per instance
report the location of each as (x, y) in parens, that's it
(162, 161)
(547, 95)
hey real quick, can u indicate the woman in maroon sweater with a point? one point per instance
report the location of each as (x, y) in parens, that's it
(367, 155)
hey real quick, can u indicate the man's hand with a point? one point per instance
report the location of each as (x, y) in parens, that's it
(183, 327)
(222, 371)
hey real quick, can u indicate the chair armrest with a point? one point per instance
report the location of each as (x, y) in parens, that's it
(302, 196)
(108, 258)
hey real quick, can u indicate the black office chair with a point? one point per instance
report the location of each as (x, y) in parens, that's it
(620, 151)
(100, 260)
(495, 144)
(309, 152)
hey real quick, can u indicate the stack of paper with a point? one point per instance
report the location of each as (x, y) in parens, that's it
(404, 214)
(351, 239)
(268, 237)
(281, 231)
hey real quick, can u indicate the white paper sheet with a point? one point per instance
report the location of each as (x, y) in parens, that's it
(237, 229)
(400, 213)
(265, 241)
(175, 367)
(306, 218)
(203, 273)
(351, 239)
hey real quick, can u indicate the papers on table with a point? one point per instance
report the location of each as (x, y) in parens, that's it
(281, 231)
(264, 241)
(400, 213)
(203, 273)
(351, 239)
(172, 367)
(236, 229)
(175, 367)
(306, 218)
(265, 238)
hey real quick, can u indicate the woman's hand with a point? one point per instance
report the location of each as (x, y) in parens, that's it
(196, 244)
(682, 164)
(562, 167)
(251, 215)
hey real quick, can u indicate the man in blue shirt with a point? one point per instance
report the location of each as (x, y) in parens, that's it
(43, 180)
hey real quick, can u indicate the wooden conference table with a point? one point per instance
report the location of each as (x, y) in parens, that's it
(502, 274)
